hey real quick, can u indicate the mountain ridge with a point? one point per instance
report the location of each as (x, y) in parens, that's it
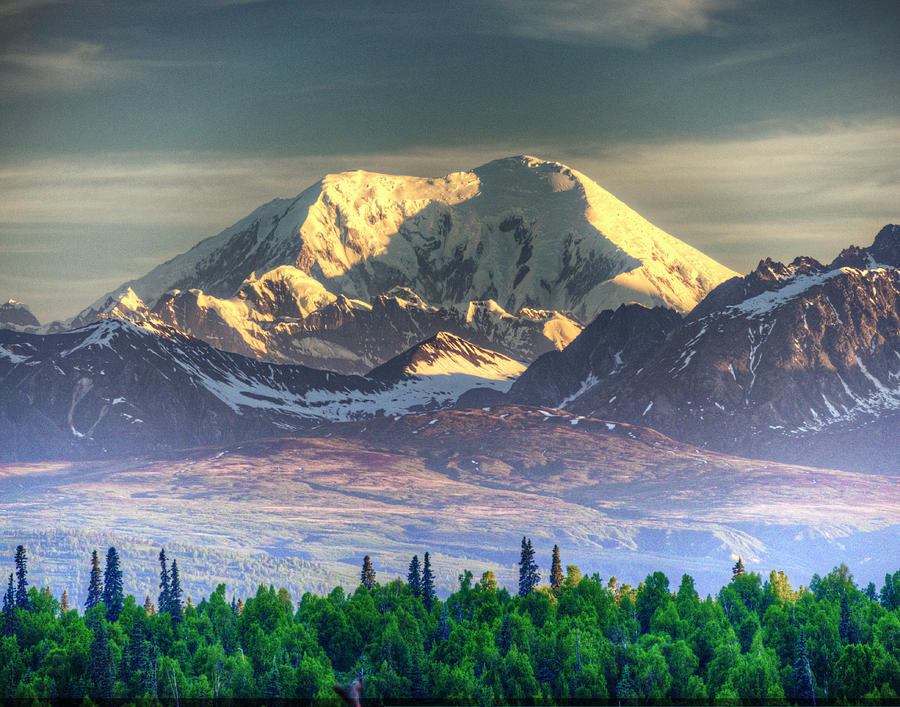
(797, 362)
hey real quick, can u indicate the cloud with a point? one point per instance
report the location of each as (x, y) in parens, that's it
(616, 22)
(63, 67)
(15, 7)
(809, 190)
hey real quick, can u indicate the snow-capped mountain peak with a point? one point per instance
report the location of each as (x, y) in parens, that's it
(14, 314)
(521, 231)
(445, 354)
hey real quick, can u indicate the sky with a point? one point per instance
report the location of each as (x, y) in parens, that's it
(131, 130)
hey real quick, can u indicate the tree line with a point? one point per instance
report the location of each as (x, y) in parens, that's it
(575, 638)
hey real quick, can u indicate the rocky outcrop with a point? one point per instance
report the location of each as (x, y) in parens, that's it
(797, 362)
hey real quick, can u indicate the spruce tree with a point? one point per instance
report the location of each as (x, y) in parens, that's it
(428, 595)
(804, 690)
(528, 569)
(113, 596)
(21, 574)
(737, 570)
(846, 629)
(9, 610)
(64, 603)
(367, 576)
(95, 588)
(556, 573)
(148, 606)
(164, 592)
(100, 665)
(175, 594)
(413, 579)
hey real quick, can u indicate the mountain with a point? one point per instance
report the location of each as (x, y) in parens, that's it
(446, 354)
(346, 335)
(533, 246)
(613, 346)
(114, 388)
(15, 315)
(618, 499)
(797, 362)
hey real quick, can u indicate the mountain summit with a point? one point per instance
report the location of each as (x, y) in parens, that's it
(520, 231)
(513, 256)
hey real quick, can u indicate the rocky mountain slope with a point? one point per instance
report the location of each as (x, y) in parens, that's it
(115, 388)
(796, 362)
(512, 255)
(15, 315)
(344, 335)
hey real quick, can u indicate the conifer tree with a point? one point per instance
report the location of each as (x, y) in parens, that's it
(556, 573)
(737, 570)
(148, 606)
(367, 576)
(64, 603)
(528, 569)
(626, 689)
(95, 588)
(846, 629)
(445, 627)
(240, 607)
(100, 665)
(113, 595)
(165, 596)
(804, 691)
(9, 610)
(175, 594)
(428, 595)
(413, 579)
(21, 574)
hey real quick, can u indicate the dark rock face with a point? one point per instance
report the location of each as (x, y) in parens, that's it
(17, 314)
(884, 252)
(113, 388)
(611, 347)
(797, 362)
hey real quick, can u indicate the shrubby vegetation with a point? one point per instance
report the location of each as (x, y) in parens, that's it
(578, 638)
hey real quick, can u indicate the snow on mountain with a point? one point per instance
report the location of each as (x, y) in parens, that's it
(616, 344)
(116, 387)
(797, 362)
(15, 315)
(445, 354)
(520, 231)
(361, 266)
(287, 317)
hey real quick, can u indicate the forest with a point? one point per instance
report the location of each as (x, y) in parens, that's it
(573, 639)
